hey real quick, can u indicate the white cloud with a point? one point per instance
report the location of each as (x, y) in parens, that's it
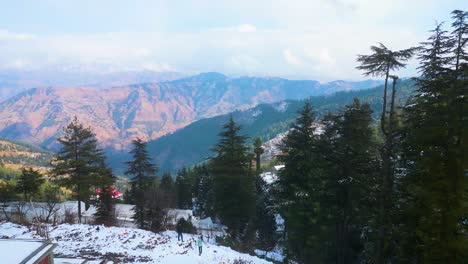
(302, 38)
(5, 35)
(246, 28)
(291, 58)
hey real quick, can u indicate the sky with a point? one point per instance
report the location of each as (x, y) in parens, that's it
(297, 39)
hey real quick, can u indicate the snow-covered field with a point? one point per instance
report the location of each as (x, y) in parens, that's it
(128, 245)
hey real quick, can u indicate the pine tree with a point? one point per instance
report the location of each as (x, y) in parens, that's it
(167, 190)
(29, 182)
(105, 207)
(436, 207)
(258, 150)
(349, 147)
(183, 189)
(143, 172)
(265, 221)
(203, 191)
(78, 162)
(233, 186)
(380, 63)
(299, 189)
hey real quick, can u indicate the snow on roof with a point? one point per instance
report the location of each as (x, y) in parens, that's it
(279, 167)
(179, 213)
(18, 250)
(39, 255)
(206, 223)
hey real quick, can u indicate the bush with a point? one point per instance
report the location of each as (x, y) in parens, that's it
(186, 226)
(70, 216)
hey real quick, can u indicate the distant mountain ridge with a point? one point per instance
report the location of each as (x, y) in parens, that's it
(149, 110)
(191, 144)
(13, 82)
(16, 155)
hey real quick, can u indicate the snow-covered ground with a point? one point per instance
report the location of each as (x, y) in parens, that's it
(128, 245)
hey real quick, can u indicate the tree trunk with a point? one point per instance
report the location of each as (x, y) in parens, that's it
(79, 204)
(386, 171)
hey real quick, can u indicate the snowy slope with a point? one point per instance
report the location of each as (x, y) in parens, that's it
(128, 245)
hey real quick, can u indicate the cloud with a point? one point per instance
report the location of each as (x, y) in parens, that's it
(301, 38)
(246, 28)
(5, 35)
(291, 58)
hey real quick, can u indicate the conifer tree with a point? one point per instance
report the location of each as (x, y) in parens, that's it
(143, 172)
(78, 162)
(258, 150)
(299, 189)
(265, 222)
(203, 191)
(436, 208)
(380, 63)
(167, 190)
(29, 182)
(233, 186)
(349, 147)
(105, 207)
(183, 190)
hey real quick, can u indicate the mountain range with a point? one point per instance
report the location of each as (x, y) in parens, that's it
(13, 82)
(147, 110)
(191, 144)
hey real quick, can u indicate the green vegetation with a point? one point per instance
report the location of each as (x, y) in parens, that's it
(398, 194)
(265, 121)
(233, 185)
(79, 162)
(23, 154)
(143, 172)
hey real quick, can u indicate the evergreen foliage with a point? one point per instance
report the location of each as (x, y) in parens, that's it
(184, 187)
(105, 211)
(380, 63)
(29, 182)
(258, 151)
(168, 190)
(299, 188)
(203, 190)
(435, 183)
(349, 150)
(78, 162)
(143, 172)
(233, 187)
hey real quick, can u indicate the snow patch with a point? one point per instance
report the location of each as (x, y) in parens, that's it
(129, 245)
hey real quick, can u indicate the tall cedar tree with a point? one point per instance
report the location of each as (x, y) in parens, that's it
(265, 222)
(168, 190)
(258, 151)
(436, 208)
(143, 172)
(29, 182)
(349, 147)
(380, 63)
(154, 211)
(299, 189)
(234, 188)
(183, 188)
(105, 206)
(203, 191)
(78, 162)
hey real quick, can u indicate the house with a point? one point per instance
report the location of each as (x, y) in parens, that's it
(31, 251)
(26, 251)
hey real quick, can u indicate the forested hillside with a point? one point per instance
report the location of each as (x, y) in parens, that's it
(15, 155)
(192, 144)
